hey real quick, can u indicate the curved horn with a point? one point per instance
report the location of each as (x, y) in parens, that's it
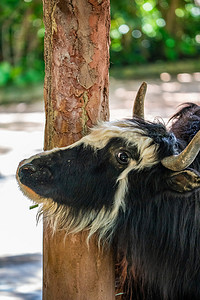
(138, 108)
(185, 158)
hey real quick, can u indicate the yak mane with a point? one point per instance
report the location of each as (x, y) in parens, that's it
(185, 124)
(157, 245)
(158, 239)
(155, 231)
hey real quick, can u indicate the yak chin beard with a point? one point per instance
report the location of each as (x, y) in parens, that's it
(60, 217)
(102, 222)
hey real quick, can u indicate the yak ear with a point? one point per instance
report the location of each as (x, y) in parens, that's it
(184, 181)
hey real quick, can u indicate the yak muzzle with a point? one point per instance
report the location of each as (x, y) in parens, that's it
(30, 174)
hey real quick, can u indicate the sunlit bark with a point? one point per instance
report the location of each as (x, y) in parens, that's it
(76, 96)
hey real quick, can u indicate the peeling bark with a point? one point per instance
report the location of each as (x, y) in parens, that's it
(77, 60)
(76, 97)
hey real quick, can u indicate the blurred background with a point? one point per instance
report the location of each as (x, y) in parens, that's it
(153, 41)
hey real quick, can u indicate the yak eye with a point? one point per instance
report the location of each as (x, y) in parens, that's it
(123, 157)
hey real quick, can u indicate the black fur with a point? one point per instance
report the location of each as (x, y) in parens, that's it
(157, 131)
(159, 238)
(156, 239)
(79, 177)
(185, 124)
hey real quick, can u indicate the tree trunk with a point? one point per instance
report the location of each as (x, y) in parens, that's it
(76, 96)
(171, 17)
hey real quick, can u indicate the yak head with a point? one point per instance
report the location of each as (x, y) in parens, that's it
(87, 185)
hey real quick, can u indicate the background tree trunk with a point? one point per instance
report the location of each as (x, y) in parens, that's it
(76, 96)
(171, 24)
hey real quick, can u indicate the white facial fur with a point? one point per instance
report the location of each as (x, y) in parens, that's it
(103, 221)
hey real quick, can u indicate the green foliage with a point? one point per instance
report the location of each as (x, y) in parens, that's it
(19, 75)
(148, 31)
(141, 31)
(5, 72)
(21, 42)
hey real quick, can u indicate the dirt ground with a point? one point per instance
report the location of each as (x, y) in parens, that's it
(21, 135)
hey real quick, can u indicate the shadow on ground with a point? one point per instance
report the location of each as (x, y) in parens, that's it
(20, 277)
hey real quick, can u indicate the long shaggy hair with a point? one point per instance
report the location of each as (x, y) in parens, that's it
(185, 124)
(158, 243)
(112, 183)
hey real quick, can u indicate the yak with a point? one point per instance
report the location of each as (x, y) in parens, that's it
(185, 125)
(132, 183)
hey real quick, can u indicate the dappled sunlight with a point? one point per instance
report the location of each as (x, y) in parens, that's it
(20, 233)
(21, 277)
(173, 98)
(181, 77)
(171, 87)
(121, 92)
(184, 77)
(22, 135)
(165, 76)
(126, 96)
(17, 121)
(177, 92)
(153, 88)
(20, 144)
(154, 39)
(196, 76)
(163, 96)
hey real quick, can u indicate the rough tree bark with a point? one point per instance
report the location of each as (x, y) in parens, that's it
(76, 96)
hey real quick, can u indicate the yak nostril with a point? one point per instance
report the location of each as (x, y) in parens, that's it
(32, 174)
(29, 167)
(26, 170)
